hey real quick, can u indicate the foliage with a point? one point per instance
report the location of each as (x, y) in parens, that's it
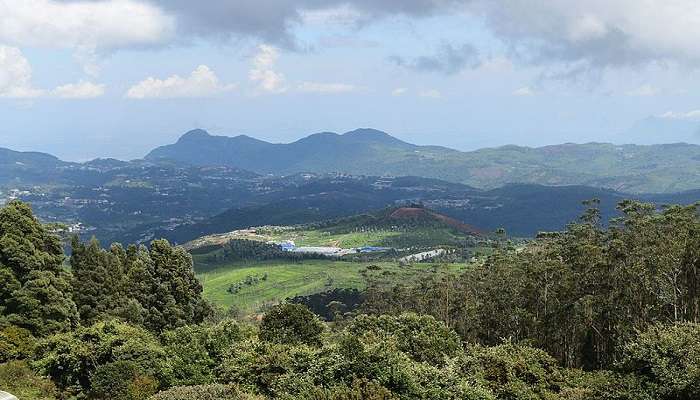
(35, 291)
(511, 371)
(204, 392)
(122, 379)
(332, 304)
(16, 343)
(271, 369)
(153, 287)
(580, 294)
(106, 357)
(98, 280)
(423, 338)
(195, 351)
(291, 324)
(666, 358)
(17, 378)
(359, 390)
(623, 296)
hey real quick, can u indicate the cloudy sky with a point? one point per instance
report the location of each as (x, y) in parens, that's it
(89, 78)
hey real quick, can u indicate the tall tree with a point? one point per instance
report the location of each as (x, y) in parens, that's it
(35, 290)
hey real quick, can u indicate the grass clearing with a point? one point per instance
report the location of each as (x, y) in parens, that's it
(286, 279)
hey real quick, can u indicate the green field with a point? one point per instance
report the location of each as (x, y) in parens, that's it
(287, 279)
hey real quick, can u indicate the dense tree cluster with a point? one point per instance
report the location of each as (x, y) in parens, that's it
(255, 250)
(579, 294)
(389, 357)
(333, 304)
(154, 287)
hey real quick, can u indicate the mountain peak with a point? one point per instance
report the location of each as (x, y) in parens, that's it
(194, 134)
(372, 135)
(368, 133)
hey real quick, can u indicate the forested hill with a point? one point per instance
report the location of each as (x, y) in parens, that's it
(627, 168)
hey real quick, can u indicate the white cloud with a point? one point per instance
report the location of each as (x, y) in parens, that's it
(83, 24)
(600, 33)
(399, 91)
(342, 15)
(326, 87)
(16, 75)
(80, 90)
(690, 115)
(430, 93)
(643, 91)
(263, 73)
(202, 82)
(523, 91)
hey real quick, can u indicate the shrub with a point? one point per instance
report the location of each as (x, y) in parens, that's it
(16, 343)
(124, 380)
(291, 324)
(194, 352)
(360, 389)
(422, 337)
(513, 372)
(205, 392)
(269, 368)
(18, 378)
(73, 360)
(667, 359)
(602, 385)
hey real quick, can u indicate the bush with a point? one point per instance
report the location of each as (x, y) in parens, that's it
(382, 362)
(194, 352)
(602, 385)
(73, 360)
(17, 378)
(667, 359)
(513, 372)
(123, 380)
(16, 343)
(359, 390)
(291, 324)
(205, 392)
(422, 337)
(269, 368)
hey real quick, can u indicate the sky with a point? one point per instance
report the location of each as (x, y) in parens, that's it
(116, 78)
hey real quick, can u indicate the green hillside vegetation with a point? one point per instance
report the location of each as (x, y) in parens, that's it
(627, 168)
(598, 311)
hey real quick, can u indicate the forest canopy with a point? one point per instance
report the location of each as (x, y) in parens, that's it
(602, 310)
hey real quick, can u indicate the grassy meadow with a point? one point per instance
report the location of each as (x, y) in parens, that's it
(285, 279)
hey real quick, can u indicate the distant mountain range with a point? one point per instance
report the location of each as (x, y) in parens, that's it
(181, 192)
(523, 210)
(661, 168)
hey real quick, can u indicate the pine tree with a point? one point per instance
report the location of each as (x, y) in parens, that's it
(35, 290)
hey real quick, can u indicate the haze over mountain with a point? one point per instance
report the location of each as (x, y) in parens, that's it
(628, 168)
(667, 128)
